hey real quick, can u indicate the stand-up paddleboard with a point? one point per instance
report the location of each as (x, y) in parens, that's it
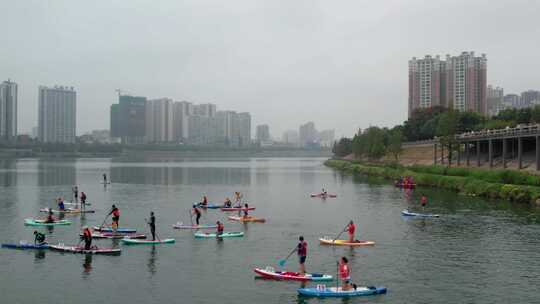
(414, 214)
(322, 195)
(76, 204)
(67, 211)
(40, 222)
(23, 245)
(80, 249)
(329, 241)
(119, 230)
(270, 273)
(180, 225)
(322, 291)
(237, 208)
(146, 242)
(202, 235)
(246, 219)
(112, 235)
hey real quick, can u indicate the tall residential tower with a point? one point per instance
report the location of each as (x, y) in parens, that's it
(8, 111)
(57, 114)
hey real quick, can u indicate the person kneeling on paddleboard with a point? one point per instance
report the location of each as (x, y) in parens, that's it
(197, 214)
(152, 224)
(351, 228)
(115, 217)
(345, 274)
(302, 254)
(220, 228)
(423, 201)
(39, 238)
(228, 203)
(87, 238)
(50, 217)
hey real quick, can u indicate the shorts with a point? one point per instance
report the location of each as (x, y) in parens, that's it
(302, 260)
(346, 281)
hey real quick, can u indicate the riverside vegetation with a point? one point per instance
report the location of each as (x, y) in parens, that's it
(509, 185)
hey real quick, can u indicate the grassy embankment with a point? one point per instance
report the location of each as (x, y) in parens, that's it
(501, 184)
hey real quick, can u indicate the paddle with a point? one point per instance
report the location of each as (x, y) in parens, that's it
(283, 261)
(100, 226)
(337, 275)
(343, 230)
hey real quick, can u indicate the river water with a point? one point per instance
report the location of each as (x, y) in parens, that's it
(478, 251)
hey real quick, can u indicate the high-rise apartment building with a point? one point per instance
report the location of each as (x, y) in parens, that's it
(495, 100)
(181, 112)
(262, 133)
(244, 125)
(530, 97)
(159, 120)
(57, 114)
(308, 134)
(512, 100)
(458, 82)
(8, 111)
(128, 119)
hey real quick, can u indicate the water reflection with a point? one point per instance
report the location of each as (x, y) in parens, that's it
(87, 265)
(39, 255)
(181, 175)
(152, 261)
(8, 173)
(56, 172)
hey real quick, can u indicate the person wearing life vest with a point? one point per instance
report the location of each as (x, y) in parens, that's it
(197, 214)
(61, 206)
(345, 274)
(423, 201)
(50, 217)
(39, 238)
(87, 238)
(351, 228)
(301, 250)
(115, 217)
(220, 228)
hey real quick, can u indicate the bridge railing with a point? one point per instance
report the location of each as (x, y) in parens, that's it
(520, 130)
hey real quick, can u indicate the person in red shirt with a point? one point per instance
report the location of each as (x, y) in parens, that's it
(345, 273)
(301, 250)
(423, 201)
(351, 228)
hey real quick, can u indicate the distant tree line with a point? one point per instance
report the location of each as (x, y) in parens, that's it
(425, 124)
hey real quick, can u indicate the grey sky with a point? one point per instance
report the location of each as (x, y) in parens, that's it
(342, 64)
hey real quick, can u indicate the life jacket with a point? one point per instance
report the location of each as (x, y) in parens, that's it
(220, 227)
(351, 228)
(87, 233)
(344, 271)
(302, 248)
(116, 212)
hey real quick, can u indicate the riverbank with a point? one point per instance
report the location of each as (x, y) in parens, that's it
(496, 184)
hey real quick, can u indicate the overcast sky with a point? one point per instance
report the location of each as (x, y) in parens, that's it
(341, 64)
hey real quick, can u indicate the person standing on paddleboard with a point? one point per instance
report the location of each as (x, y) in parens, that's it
(87, 238)
(238, 198)
(197, 214)
(204, 202)
(104, 178)
(220, 228)
(245, 209)
(115, 217)
(345, 274)
(39, 238)
(76, 193)
(152, 224)
(301, 250)
(61, 205)
(351, 228)
(83, 200)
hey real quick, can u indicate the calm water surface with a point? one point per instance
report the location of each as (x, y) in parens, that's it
(477, 252)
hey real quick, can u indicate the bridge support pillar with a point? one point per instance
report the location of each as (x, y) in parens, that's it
(520, 152)
(467, 153)
(490, 153)
(537, 153)
(434, 154)
(459, 154)
(449, 154)
(478, 153)
(504, 153)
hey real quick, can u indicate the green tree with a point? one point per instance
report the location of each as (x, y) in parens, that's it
(395, 142)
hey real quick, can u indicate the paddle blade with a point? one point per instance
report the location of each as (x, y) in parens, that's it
(282, 262)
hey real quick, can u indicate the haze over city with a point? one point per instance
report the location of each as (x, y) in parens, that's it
(342, 65)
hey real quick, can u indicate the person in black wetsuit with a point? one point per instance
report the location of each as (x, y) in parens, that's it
(197, 213)
(39, 238)
(104, 178)
(152, 224)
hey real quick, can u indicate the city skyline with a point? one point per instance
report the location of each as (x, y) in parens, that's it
(284, 62)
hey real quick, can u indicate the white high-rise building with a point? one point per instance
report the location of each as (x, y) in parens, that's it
(57, 108)
(159, 120)
(8, 111)
(181, 112)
